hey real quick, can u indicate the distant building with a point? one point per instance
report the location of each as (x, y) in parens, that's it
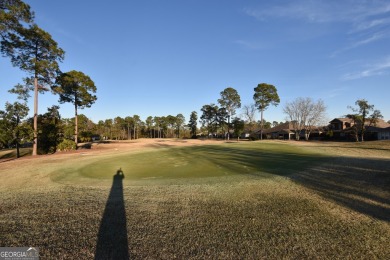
(380, 131)
(283, 131)
(342, 129)
(286, 131)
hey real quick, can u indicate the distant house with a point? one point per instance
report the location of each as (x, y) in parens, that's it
(283, 131)
(342, 129)
(249, 133)
(245, 134)
(380, 131)
(339, 124)
(384, 134)
(286, 131)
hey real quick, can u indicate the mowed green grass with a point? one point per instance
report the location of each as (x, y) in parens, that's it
(200, 162)
(254, 200)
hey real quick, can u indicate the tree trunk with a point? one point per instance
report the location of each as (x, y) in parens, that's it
(261, 125)
(17, 136)
(75, 125)
(35, 140)
(228, 135)
(17, 150)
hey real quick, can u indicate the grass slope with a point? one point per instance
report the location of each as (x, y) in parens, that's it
(230, 201)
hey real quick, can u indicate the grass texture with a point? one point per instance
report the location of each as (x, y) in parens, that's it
(249, 200)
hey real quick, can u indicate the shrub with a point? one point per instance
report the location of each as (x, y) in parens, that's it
(66, 145)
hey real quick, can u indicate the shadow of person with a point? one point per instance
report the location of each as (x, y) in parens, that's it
(112, 240)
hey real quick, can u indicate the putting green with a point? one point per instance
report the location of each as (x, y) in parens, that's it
(169, 163)
(201, 161)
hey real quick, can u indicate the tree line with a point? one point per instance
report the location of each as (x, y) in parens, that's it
(214, 121)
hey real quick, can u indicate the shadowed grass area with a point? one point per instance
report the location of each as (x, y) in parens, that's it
(112, 240)
(11, 153)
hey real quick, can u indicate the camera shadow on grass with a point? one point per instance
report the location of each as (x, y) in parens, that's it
(112, 242)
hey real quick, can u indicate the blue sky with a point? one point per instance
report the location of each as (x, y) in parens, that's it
(168, 57)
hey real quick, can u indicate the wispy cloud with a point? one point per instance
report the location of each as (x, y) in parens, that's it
(371, 38)
(362, 41)
(370, 24)
(366, 21)
(355, 12)
(310, 11)
(250, 45)
(332, 93)
(379, 68)
(290, 11)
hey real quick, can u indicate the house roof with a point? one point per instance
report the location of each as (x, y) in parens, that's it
(288, 127)
(342, 119)
(380, 122)
(285, 127)
(380, 125)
